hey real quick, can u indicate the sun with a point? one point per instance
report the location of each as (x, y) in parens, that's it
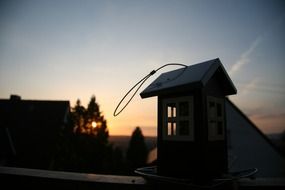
(94, 124)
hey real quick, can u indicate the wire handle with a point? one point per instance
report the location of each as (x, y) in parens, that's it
(139, 84)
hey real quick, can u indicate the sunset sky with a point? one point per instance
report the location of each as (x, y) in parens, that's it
(65, 50)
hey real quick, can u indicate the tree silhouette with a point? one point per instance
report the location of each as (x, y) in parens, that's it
(137, 150)
(85, 146)
(93, 114)
(77, 116)
(84, 120)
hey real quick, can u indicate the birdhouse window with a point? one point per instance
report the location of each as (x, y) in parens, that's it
(171, 119)
(178, 119)
(171, 110)
(184, 127)
(171, 128)
(215, 119)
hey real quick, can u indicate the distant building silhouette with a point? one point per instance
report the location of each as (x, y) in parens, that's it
(248, 147)
(29, 131)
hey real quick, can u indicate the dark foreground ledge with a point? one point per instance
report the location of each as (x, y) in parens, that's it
(45, 179)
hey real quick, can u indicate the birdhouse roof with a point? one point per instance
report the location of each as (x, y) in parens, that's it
(193, 76)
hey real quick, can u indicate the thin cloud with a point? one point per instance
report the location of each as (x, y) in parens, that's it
(245, 56)
(253, 84)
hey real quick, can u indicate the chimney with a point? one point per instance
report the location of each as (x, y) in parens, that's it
(14, 97)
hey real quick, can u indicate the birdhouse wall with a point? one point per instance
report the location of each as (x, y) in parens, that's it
(194, 157)
(183, 158)
(216, 148)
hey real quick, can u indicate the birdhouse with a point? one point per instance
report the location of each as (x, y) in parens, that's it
(191, 136)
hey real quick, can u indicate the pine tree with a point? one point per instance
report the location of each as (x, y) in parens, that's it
(77, 117)
(137, 150)
(99, 128)
(88, 149)
(90, 121)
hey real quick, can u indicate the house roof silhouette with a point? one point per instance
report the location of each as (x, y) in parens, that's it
(30, 129)
(192, 76)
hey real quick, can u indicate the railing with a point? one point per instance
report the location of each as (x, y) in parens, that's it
(45, 179)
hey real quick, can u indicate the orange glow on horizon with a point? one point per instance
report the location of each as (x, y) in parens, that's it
(140, 112)
(269, 124)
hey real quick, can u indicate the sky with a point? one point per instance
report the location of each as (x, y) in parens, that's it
(69, 50)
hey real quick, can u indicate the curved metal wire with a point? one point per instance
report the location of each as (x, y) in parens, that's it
(139, 84)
